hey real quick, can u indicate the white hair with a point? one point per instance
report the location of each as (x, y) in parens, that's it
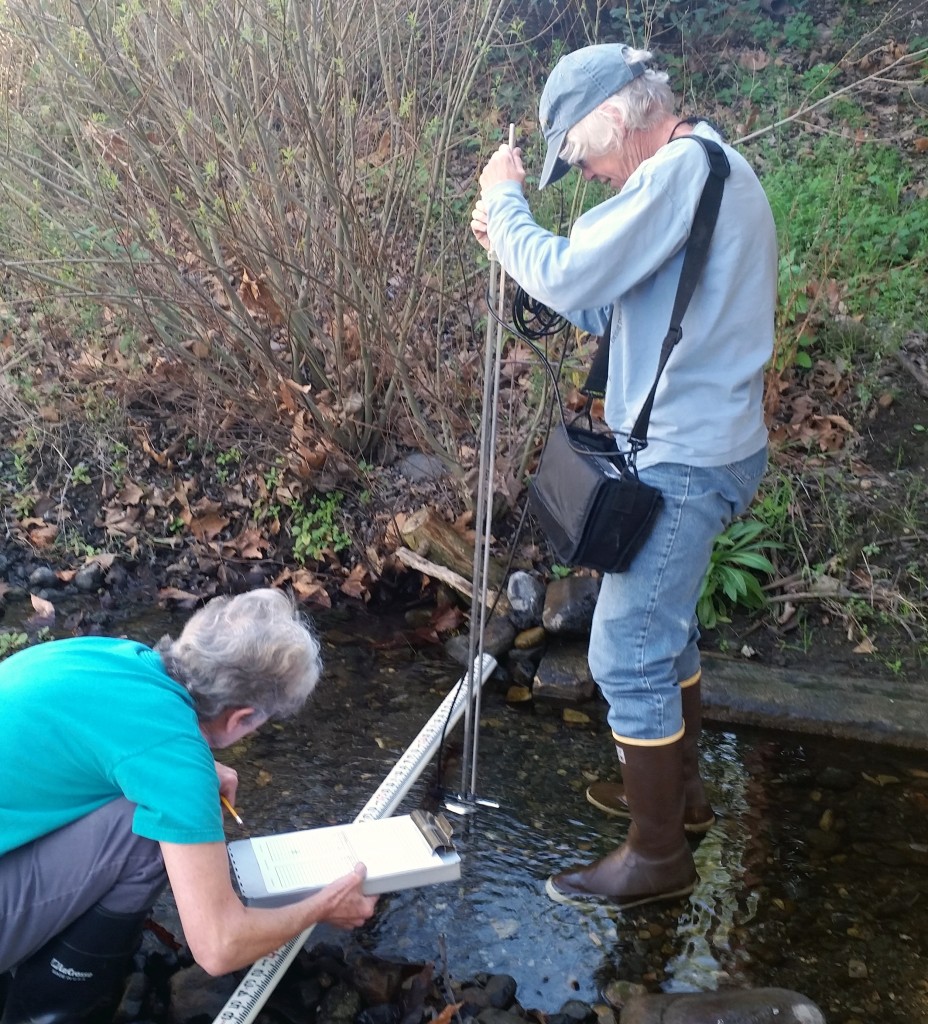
(253, 650)
(640, 104)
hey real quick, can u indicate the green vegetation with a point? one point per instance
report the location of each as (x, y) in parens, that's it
(731, 581)
(237, 264)
(318, 527)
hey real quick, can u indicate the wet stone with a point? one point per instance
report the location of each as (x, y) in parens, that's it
(497, 639)
(340, 1005)
(526, 596)
(43, 578)
(195, 993)
(577, 1012)
(523, 664)
(530, 638)
(89, 578)
(564, 674)
(385, 1013)
(501, 991)
(376, 979)
(569, 605)
(493, 1015)
(757, 1006)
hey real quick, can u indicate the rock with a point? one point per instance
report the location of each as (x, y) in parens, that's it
(492, 1015)
(386, 1013)
(618, 992)
(569, 605)
(89, 578)
(526, 600)
(42, 578)
(340, 1005)
(473, 999)
(857, 969)
(518, 695)
(497, 639)
(751, 1006)
(530, 639)
(501, 991)
(564, 674)
(576, 1011)
(419, 467)
(522, 665)
(379, 980)
(195, 993)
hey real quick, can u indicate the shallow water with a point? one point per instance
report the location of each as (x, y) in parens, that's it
(815, 877)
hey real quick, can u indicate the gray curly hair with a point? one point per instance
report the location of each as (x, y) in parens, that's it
(253, 650)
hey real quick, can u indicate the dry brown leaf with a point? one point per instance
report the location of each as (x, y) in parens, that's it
(250, 543)
(358, 583)
(131, 494)
(43, 536)
(105, 560)
(208, 527)
(183, 597)
(44, 609)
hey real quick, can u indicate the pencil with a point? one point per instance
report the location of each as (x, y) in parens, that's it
(231, 809)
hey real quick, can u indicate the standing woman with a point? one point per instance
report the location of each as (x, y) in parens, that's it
(605, 111)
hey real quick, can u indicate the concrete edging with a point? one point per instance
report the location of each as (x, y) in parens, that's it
(871, 710)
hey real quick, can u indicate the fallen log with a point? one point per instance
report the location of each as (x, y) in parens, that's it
(431, 537)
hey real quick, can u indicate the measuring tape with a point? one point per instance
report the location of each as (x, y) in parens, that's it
(256, 987)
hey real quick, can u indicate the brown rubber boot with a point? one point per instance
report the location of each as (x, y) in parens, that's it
(655, 862)
(698, 817)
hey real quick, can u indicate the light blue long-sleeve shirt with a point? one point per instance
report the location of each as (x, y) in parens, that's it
(628, 252)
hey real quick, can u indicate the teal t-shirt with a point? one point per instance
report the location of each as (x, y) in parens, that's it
(87, 720)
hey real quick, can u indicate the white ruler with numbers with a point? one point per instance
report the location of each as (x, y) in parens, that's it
(255, 988)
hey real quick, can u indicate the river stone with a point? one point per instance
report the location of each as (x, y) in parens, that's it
(530, 639)
(89, 578)
(195, 993)
(340, 1005)
(569, 605)
(43, 578)
(501, 990)
(497, 639)
(419, 467)
(564, 674)
(473, 1000)
(492, 1015)
(522, 665)
(577, 1011)
(376, 979)
(526, 600)
(753, 1006)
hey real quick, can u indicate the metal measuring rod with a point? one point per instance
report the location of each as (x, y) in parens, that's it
(467, 800)
(256, 987)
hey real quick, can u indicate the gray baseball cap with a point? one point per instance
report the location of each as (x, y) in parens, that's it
(578, 84)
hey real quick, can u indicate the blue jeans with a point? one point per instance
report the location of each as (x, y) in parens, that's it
(644, 633)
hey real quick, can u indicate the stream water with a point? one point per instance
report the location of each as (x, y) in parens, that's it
(815, 877)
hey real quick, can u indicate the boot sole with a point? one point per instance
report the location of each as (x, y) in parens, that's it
(698, 828)
(584, 900)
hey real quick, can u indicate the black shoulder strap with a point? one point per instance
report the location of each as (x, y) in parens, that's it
(697, 247)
